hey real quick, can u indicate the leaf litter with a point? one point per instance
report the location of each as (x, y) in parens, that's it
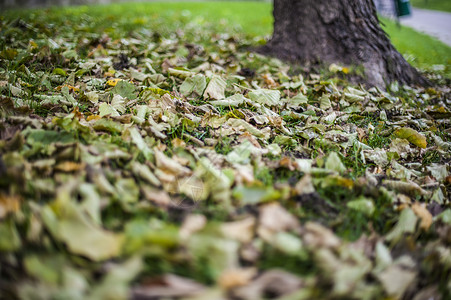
(176, 164)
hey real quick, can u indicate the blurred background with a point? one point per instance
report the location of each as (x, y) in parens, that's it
(44, 3)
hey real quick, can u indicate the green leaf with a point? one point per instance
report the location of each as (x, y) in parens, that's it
(241, 154)
(266, 97)
(106, 109)
(445, 216)
(181, 73)
(67, 95)
(144, 172)
(297, 101)
(334, 163)
(195, 84)
(406, 224)
(216, 88)
(59, 71)
(234, 100)
(127, 190)
(45, 268)
(9, 237)
(140, 143)
(47, 137)
(363, 205)
(125, 89)
(440, 172)
(141, 233)
(92, 96)
(248, 127)
(115, 284)
(107, 125)
(73, 227)
(324, 102)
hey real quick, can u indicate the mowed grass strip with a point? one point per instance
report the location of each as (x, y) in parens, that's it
(443, 5)
(251, 18)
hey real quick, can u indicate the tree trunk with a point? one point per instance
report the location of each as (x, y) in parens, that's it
(338, 31)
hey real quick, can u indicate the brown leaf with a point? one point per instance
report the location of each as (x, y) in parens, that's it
(361, 133)
(396, 280)
(288, 163)
(236, 277)
(242, 230)
(167, 286)
(192, 224)
(317, 236)
(274, 282)
(421, 211)
(69, 166)
(9, 204)
(276, 218)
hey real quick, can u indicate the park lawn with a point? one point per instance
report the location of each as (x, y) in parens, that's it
(442, 5)
(252, 18)
(146, 153)
(421, 50)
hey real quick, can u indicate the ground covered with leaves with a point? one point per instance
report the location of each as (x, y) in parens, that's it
(144, 161)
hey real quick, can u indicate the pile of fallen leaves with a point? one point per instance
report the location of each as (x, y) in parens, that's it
(143, 165)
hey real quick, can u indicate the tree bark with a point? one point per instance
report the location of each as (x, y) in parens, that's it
(338, 31)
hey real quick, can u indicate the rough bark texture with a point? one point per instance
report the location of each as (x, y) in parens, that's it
(338, 31)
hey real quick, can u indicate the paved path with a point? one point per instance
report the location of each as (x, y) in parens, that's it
(434, 23)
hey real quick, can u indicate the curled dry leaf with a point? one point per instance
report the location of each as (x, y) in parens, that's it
(425, 216)
(236, 277)
(191, 224)
(242, 230)
(316, 235)
(412, 136)
(274, 218)
(9, 204)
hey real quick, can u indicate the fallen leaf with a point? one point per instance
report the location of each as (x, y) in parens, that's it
(82, 236)
(167, 286)
(236, 277)
(412, 136)
(242, 230)
(317, 236)
(274, 282)
(266, 97)
(396, 280)
(333, 162)
(69, 166)
(215, 88)
(406, 224)
(113, 82)
(8, 204)
(425, 216)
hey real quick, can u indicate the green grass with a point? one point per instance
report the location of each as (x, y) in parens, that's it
(252, 18)
(443, 5)
(420, 49)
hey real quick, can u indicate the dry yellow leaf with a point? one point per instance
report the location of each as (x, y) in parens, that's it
(70, 87)
(412, 136)
(32, 45)
(69, 166)
(113, 82)
(236, 277)
(178, 143)
(421, 211)
(8, 204)
(288, 163)
(93, 117)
